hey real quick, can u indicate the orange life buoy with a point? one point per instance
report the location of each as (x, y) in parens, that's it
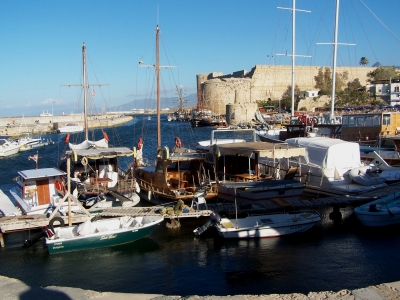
(66, 140)
(59, 186)
(140, 144)
(178, 143)
(105, 135)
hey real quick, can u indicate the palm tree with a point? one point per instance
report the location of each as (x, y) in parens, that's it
(364, 61)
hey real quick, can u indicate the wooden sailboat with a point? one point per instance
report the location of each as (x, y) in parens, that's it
(176, 176)
(95, 169)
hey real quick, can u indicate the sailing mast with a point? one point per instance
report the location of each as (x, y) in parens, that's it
(85, 89)
(335, 44)
(293, 47)
(158, 71)
(85, 86)
(158, 89)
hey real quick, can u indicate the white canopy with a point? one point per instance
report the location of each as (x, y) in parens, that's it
(264, 149)
(103, 143)
(329, 153)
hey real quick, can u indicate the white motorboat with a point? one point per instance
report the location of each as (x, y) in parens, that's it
(28, 143)
(333, 167)
(101, 233)
(381, 212)
(70, 128)
(263, 225)
(8, 147)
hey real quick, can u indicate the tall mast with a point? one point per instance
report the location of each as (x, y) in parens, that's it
(293, 48)
(335, 44)
(158, 89)
(85, 90)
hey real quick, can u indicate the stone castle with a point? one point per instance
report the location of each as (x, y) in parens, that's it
(242, 89)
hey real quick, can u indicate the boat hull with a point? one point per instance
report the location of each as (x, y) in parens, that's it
(264, 227)
(381, 212)
(259, 191)
(101, 239)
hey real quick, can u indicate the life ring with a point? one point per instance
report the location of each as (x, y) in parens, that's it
(56, 219)
(105, 135)
(84, 161)
(59, 186)
(178, 143)
(66, 140)
(140, 144)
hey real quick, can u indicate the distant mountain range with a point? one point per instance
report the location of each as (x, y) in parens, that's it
(171, 103)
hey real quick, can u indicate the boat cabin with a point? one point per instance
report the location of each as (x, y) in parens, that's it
(369, 126)
(35, 190)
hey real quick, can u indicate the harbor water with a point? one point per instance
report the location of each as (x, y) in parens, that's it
(331, 256)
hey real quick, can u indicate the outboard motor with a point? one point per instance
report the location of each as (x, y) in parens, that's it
(214, 219)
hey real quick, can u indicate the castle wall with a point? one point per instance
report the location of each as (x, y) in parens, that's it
(263, 82)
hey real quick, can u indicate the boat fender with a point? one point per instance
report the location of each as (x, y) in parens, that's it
(134, 152)
(74, 156)
(105, 135)
(66, 140)
(165, 152)
(178, 142)
(140, 144)
(56, 219)
(84, 161)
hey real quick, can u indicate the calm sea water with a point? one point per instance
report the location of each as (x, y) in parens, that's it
(330, 256)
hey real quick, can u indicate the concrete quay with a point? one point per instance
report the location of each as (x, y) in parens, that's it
(15, 289)
(47, 124)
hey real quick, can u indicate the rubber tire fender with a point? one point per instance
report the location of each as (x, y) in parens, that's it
(56, 219)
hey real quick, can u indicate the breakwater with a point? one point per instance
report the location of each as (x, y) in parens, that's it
(47, 124)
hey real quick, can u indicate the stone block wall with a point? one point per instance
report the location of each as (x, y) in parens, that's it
(263, 82)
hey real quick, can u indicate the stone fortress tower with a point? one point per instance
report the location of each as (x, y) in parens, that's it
(239, 92)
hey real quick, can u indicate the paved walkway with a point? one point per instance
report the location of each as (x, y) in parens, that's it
(11, 289)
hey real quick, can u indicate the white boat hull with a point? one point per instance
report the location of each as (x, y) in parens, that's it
(265, 226)
(381, 212)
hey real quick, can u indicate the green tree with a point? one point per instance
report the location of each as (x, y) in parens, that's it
(323, 81)
(286, 102)
(364, 61)
(383, 73)
(354, 94)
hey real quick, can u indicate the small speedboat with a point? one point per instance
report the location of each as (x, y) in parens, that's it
(261, 226)
(384, 211)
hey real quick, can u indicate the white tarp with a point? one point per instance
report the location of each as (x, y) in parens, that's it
(329, 153)
(103, 143)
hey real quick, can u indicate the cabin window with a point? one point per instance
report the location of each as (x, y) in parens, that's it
(396, 89)
(386, 119)
(376, 121)
(360, 121)
(345, 121)
(352, 121)
(368, 121)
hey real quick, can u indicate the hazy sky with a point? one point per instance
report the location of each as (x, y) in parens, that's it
(40, 44)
